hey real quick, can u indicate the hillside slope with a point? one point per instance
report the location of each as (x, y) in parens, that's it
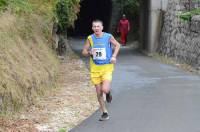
(28, 65)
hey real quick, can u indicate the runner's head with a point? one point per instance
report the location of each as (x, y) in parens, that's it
(97, 27)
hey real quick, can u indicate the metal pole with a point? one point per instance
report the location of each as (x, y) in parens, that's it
(190, 4)
(161, 5)
(198, 3)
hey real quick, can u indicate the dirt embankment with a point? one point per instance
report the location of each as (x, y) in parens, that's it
(28, 66)
(62, 108)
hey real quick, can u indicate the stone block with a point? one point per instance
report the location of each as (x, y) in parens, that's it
(195, 24)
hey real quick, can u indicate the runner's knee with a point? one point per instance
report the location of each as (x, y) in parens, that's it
(106, 86)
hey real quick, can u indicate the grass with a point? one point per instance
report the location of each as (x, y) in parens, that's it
(20, 6)
(62, 130)
(167, 60)
(28, 66)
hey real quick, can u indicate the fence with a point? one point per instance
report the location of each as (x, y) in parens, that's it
(190, 4)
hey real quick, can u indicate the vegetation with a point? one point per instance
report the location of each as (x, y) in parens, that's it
(129, 7)
(3, 4)
(28, 66)
(186, 16)
(62, 130)
(66, 12)
(171, 61)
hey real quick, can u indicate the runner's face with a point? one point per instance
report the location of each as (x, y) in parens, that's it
(97, 27)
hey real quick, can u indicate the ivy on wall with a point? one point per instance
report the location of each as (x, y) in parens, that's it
(186, 16)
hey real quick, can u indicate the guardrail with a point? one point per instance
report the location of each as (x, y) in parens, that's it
(190, 4)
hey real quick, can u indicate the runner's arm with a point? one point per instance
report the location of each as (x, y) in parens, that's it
(116, 46)
(86, 47)
(116, 49)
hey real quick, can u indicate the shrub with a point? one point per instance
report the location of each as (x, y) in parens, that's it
(66, 12)
(186, 16)
(3, 4)
(129, 7)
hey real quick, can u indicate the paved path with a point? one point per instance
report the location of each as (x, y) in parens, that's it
(148, 96)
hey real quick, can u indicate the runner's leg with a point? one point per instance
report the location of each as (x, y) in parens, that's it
(106, 86)
(106, 89)
(100, 97)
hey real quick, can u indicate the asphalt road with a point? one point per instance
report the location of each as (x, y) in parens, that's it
(148, 96)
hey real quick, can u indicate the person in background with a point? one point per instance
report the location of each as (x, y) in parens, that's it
(123, 28)
(98, 47)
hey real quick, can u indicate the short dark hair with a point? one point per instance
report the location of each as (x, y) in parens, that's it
(97, 20)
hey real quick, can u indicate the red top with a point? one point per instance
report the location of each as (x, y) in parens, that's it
(123, 26)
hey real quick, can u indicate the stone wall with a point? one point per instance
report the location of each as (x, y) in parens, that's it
(115, 16)
(180, 39)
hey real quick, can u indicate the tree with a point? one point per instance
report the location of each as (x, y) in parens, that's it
(66, 13)
(129, 7)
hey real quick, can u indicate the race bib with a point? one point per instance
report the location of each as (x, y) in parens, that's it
(99, 53)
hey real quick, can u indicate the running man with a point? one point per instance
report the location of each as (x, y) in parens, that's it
(99, 47)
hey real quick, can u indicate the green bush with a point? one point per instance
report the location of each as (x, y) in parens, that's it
(129, 7)
(3, 4)
(186, 16)
(66, 12)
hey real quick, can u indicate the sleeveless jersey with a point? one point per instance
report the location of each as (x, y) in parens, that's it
(102, 48)
(99, 68)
